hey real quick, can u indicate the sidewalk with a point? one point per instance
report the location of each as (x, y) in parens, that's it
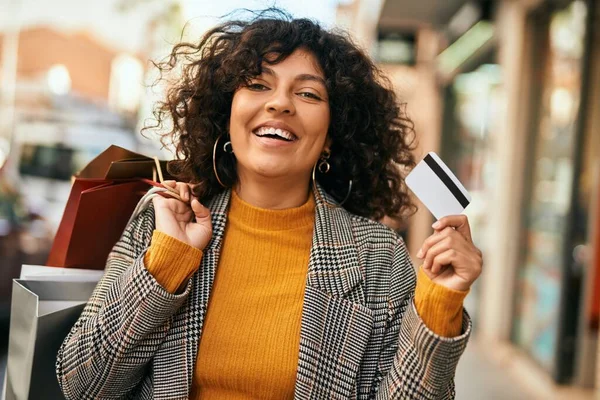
(505, 374)
(478, 377)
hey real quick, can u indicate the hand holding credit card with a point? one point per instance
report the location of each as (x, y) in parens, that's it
(437, 187)
(450, 258)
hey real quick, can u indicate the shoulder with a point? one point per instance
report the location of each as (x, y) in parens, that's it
(142, 221)
(373, 237)
(139, 229)
(384, 259)
(368, 231)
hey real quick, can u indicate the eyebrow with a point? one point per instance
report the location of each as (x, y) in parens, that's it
(301, 77)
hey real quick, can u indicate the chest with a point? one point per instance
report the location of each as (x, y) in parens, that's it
(251, 332)
(340, 314)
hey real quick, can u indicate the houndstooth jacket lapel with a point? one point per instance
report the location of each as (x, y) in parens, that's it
(335, 325)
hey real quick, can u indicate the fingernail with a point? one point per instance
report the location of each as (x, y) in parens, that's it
(436, 225)
(420, 253)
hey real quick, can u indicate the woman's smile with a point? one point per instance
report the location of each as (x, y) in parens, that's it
(275, 134)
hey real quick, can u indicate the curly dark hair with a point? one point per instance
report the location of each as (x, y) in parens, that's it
(372, 136)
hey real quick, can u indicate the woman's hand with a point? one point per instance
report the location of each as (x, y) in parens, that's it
(450, 257)
(186, 221)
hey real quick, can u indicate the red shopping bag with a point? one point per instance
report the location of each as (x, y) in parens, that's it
(103, 197)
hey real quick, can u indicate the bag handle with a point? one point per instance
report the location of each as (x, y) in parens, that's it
(170, 191)
(145, 202)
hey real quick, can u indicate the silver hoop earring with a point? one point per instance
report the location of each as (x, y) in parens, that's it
(228, 143)
(324, 168)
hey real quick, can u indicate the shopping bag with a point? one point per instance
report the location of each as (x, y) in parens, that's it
(103, 196)
(42, 314)
(45, 273)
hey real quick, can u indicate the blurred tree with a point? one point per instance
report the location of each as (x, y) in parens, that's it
(166, 19)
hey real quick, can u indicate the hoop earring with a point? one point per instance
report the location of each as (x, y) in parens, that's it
(324, 168)
(215, 159)
(230, 151)
(314, 179)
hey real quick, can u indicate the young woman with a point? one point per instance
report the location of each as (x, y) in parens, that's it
(284, 285)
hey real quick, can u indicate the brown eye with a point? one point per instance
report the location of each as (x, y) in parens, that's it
(309, 95)
(257, 87)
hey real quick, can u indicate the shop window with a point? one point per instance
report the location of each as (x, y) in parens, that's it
(541, 280)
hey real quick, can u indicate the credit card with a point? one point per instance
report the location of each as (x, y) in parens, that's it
(437, 187)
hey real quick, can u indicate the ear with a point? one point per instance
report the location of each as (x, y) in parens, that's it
(328, 143)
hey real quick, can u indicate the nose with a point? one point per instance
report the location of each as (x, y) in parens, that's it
(280, 103)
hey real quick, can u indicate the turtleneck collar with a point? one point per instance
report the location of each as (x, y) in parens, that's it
(271, 220)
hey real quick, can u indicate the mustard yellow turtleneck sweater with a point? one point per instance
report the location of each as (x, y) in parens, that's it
(251, 333)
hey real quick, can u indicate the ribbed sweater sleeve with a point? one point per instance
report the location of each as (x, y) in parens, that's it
(439, 307)
(171, 261)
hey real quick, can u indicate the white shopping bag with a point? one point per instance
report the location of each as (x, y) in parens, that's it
(45, 304)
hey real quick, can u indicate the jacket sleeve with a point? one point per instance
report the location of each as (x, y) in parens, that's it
(107, 352)
(415, 362)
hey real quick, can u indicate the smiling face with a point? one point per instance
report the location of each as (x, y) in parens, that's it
(279, 122)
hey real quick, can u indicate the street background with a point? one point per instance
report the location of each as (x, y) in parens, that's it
(507, 92)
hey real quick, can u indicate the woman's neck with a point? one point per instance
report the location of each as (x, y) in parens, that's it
(274, 194)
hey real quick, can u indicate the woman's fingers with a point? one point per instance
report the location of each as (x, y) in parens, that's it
(433, 240)
(448, 257)
(434, 250)
(448, 243)
(184, 191)
(200, 212)
(180, 188)
(458, 222)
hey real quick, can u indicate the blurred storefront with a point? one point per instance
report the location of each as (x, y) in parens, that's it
(557, 198)
(511, 104)
(548, 283)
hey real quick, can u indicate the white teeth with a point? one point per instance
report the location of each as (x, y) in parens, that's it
(267, 130)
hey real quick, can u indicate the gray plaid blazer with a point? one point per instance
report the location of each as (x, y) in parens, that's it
(361, 337)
